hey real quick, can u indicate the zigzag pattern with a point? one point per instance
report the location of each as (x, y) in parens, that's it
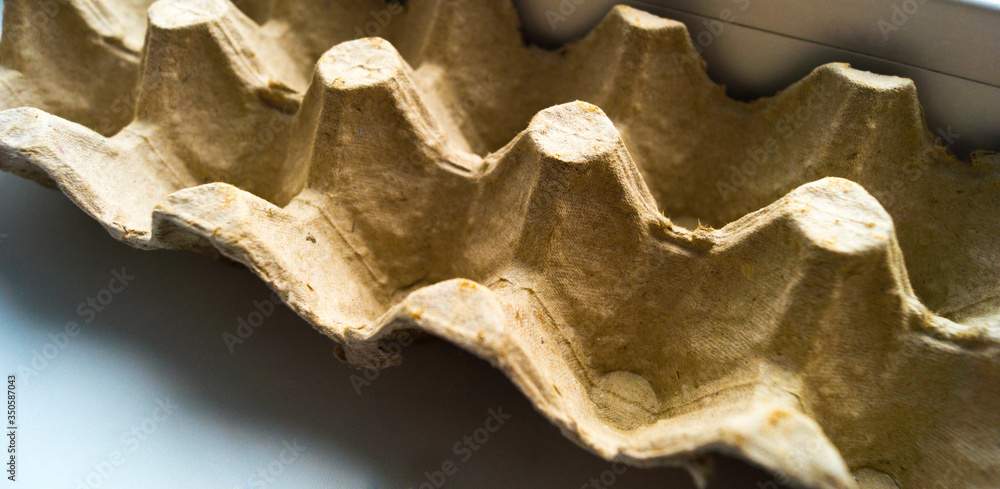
(791, 336)
(79, 59)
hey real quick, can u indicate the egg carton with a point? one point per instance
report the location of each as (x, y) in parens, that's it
(664, 272)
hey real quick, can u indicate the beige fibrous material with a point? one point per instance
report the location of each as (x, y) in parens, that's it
(541, 209)
(78, 59)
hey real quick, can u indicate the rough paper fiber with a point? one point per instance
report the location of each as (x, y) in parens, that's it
(548, 211)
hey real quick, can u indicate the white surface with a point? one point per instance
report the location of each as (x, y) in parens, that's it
(162, 338)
